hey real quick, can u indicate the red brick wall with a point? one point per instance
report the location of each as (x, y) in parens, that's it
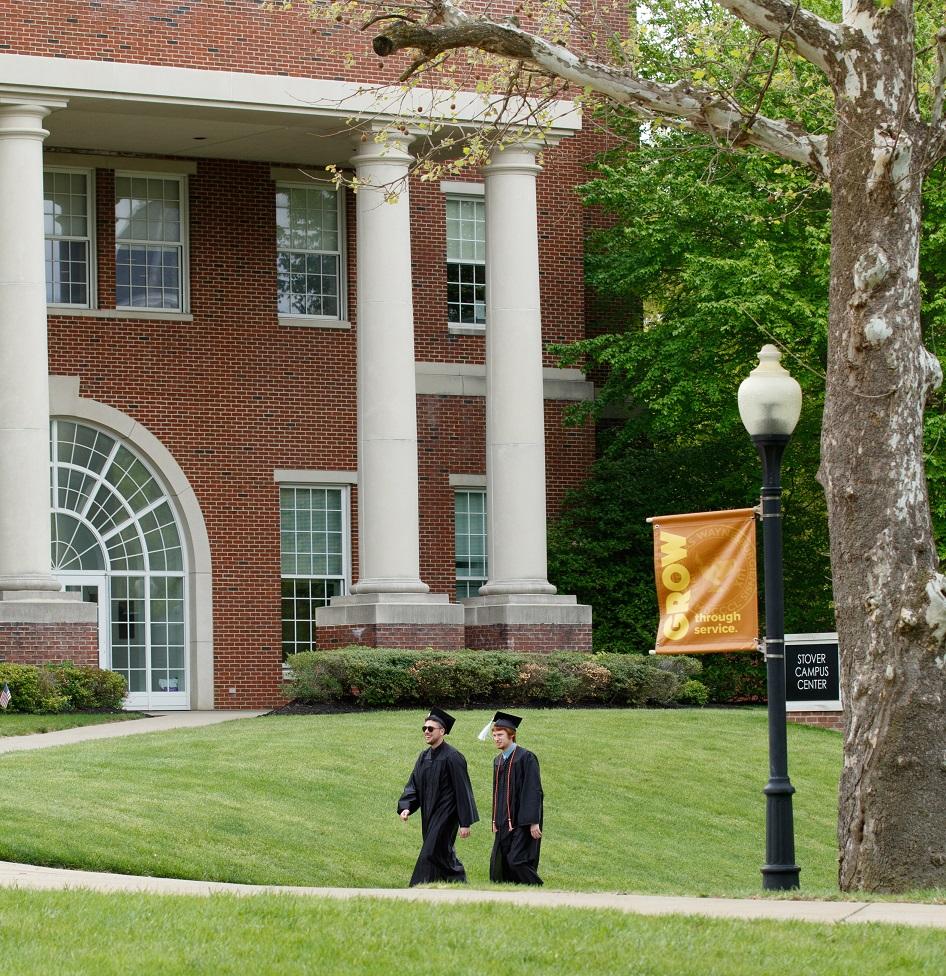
(50, 643)
(530, 638)
(824, 720)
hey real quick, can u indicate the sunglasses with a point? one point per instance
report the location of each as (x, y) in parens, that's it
(429, 728)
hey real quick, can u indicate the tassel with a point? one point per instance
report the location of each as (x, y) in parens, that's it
(484, 735)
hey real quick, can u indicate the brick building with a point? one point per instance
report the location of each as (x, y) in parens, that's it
(267, 399)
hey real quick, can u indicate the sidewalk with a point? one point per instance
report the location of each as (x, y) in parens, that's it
(899, 913)
(155, 722)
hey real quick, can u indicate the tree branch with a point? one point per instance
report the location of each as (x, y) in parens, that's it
(939, 79)
(699, 109)
(817, 40)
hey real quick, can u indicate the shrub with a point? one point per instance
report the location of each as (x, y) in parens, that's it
(372, 677)
(51, 688)
(734, 678)
(692, 693)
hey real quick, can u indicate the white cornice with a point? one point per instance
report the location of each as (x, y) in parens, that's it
(158, 84)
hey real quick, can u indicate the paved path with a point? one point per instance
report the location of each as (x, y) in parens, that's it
(30, 876)
(155, 722)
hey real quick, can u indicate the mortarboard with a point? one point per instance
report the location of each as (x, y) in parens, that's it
(442, 718)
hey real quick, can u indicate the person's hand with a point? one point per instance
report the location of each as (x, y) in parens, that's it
(495, 829)
(464, 832)
(536, 831)
(405, 814)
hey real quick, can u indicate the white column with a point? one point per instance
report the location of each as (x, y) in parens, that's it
(515, 405)
(388, 528)
(24, 382)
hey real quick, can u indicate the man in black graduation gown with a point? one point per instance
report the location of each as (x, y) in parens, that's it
(517, 807)
(440, 788)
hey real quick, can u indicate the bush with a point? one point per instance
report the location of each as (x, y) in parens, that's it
(373, 677)
(53, 688)
(734, 678)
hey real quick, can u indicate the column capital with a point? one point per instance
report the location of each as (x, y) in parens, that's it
(516, 158)
(22, 117)
(392, 149)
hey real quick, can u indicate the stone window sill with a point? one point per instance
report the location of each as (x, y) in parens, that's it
(119, 313)
(307, 322)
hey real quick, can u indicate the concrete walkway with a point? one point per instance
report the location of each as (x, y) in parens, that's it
(155, 722)
(899, 913)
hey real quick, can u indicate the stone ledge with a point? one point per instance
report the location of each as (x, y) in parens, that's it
(525, 609)
(390, 609)
(45, 607)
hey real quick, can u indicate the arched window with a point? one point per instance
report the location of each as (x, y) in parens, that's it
(114, 527)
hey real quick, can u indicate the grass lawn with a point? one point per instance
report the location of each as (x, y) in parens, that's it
(16, 724)
(82, 933)
(664, 802)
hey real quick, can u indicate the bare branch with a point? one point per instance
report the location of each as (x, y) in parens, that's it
(699, 109)
(817, 40)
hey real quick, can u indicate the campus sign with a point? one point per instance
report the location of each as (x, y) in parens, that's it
(705, 569)
(812, 673)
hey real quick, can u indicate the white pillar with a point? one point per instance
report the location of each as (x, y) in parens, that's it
(515, 405)
(388, 526)
(24, 382)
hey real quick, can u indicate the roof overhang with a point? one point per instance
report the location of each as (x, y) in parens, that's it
(157, 110)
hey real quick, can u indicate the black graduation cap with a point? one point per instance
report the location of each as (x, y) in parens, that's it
(506, 721)
(442, 718)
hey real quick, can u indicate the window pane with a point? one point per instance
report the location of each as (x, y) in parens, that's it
(470, 541)
(312, 559)
(68, 241)
(308, 262)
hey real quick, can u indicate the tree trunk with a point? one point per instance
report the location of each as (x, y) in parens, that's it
(892, 810)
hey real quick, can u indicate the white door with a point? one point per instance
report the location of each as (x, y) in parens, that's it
(94, 589)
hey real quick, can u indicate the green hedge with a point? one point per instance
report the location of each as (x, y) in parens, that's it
(51, 688)
(373, 677)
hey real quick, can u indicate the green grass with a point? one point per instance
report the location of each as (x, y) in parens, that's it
(665, 802)
(17, 724)
(83, 933)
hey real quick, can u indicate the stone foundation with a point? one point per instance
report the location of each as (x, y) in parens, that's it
(824, 720)
(38, 627)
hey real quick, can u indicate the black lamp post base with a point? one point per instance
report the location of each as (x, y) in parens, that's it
(780, 877)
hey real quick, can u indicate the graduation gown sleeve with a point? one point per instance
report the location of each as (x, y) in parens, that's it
(410, 798)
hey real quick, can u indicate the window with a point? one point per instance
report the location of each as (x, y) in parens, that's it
(309, 251)
(67, 223)
(313, 525)
(466, 261)
(150, 214)
(470, 541)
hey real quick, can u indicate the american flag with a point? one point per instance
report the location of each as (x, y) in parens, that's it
(5, 695)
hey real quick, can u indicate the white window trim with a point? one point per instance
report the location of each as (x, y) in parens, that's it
(339, 321)
(470, 483)
(295, 481)
(183, 199)
(475, 192)
(91, 212)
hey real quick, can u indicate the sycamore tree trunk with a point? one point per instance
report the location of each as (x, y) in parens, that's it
(889, 596)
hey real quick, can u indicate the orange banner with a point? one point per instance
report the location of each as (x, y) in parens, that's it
(704, 565)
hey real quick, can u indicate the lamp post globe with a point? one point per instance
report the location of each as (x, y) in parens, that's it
(770, 405)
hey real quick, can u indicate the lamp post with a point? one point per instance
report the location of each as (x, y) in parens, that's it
(769, 405)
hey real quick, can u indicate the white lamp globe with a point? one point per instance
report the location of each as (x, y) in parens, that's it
(769, 397)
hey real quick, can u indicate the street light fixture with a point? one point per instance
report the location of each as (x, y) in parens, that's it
(770, 405)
